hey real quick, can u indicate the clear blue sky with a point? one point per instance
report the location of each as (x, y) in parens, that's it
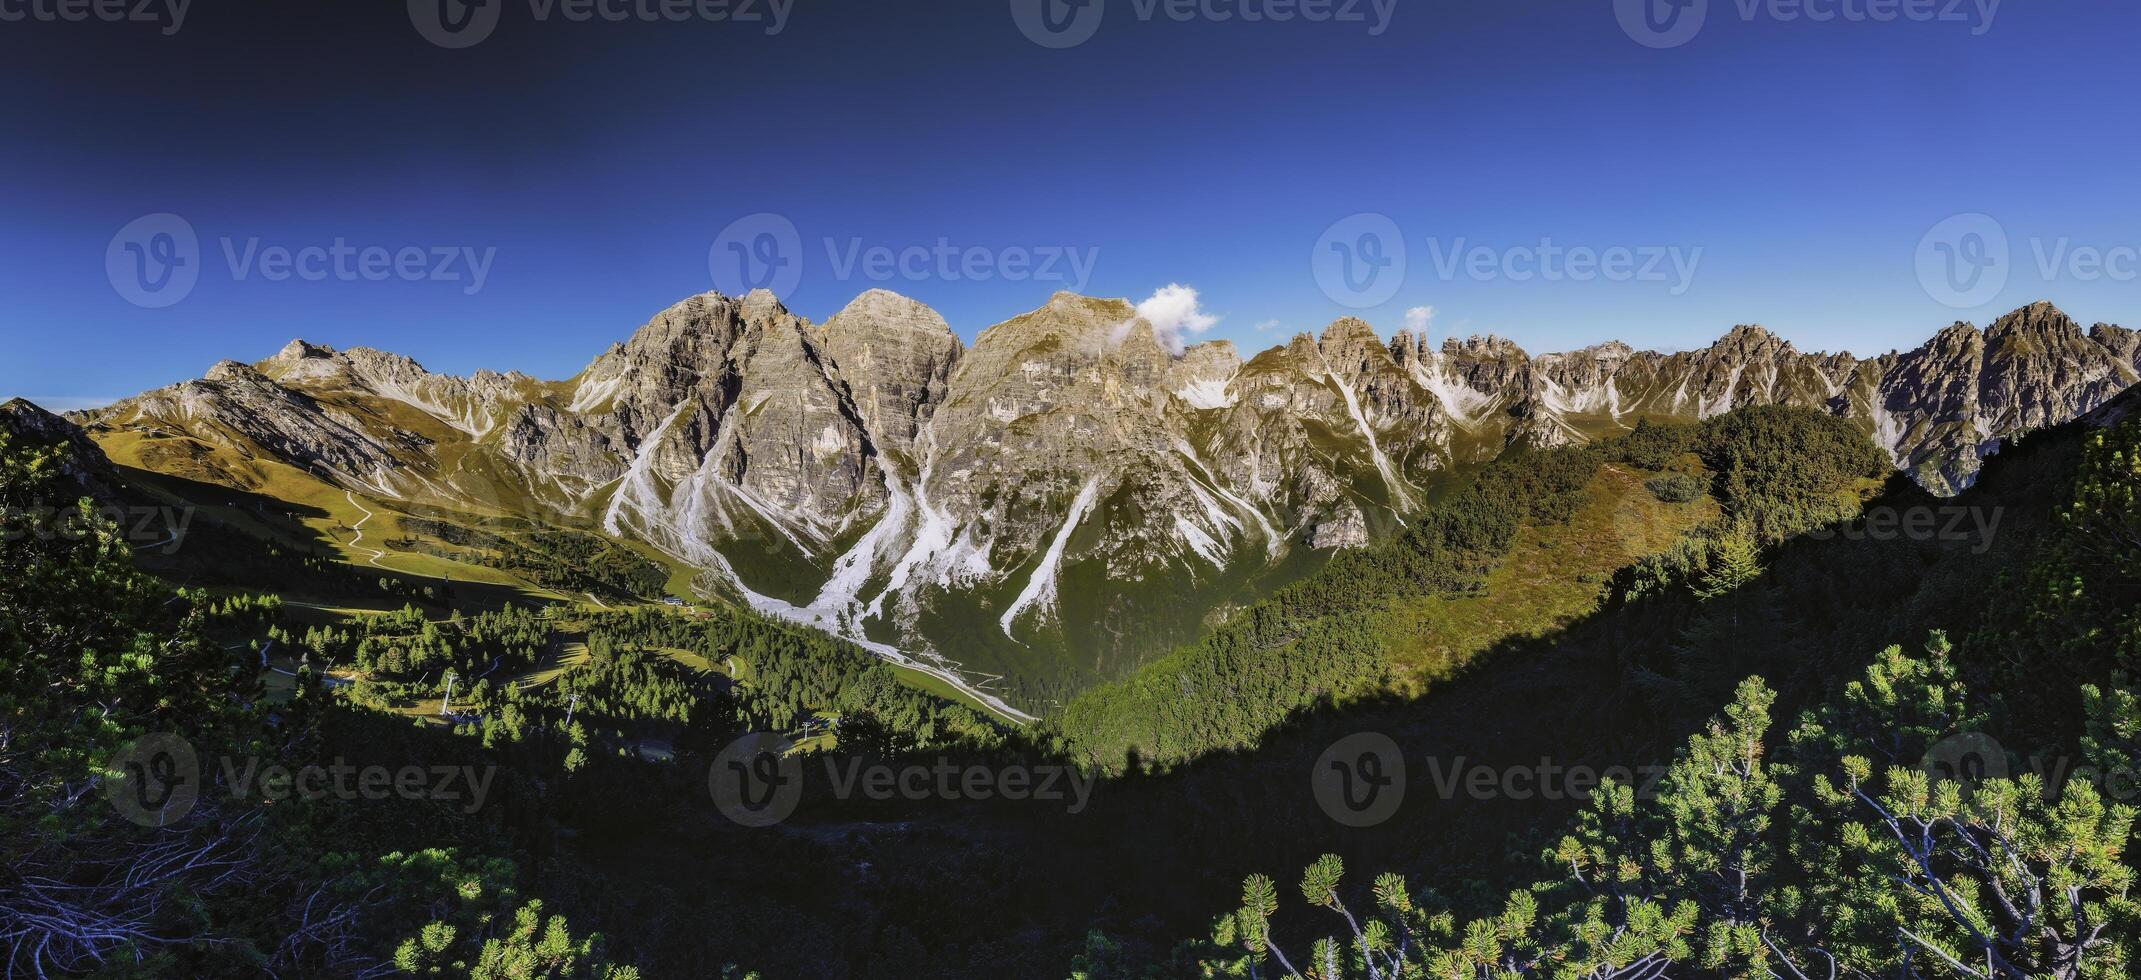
(602, 161)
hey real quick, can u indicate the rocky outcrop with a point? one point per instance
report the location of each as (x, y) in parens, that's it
(86, 464)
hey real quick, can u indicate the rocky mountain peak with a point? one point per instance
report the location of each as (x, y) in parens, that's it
(23, 417)
(2040, 369)
(1201, 375)
(229, 370)
(1349, 331)
(2042, 309)
(1487, 348)
(302, 360)
(897, 357)
(761, 304)
(297, 350)
(1069, 320)
(488, 377)
(1604, 357)
(1752, 341)
(1350, 347)
(1957, 335)
(1408, 348)
(1302, 349)
(883, 309)
(1135, 341)
(2035, 326)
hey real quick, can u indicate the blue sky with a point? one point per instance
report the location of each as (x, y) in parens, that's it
(594, 166)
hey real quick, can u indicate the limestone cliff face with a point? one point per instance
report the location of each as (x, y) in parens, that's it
(734, 428)
(860, 474)
(896, 357)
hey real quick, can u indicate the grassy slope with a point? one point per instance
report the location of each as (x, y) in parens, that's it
(319, 510)
(1552, 576)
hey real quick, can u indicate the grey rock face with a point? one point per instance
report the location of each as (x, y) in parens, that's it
(896, 357)
(2123, 344)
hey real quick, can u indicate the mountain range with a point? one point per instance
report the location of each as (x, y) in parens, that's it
(1064, 498)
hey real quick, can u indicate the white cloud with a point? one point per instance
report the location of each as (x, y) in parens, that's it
(1417, 318)
(1267, 326)
(1174, 314)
